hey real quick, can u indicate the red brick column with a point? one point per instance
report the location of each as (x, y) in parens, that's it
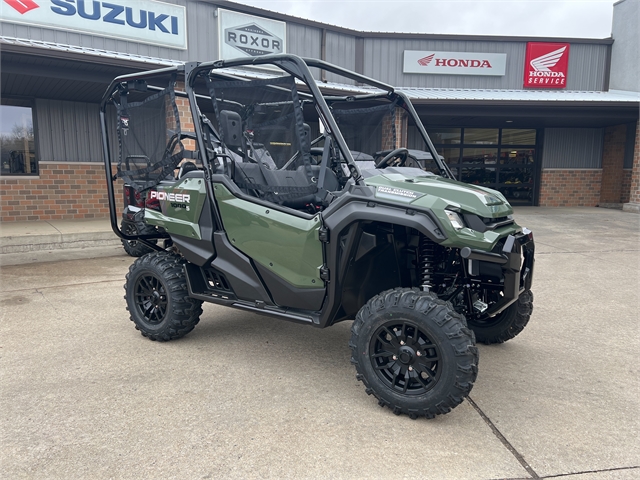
(613, 164)
(401, 126)
(634, 191)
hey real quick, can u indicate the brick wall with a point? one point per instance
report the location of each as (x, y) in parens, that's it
(570, 187)
(634, 191)
(612, 164)
(62, 191)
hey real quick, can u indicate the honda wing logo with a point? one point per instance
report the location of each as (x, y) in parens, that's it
(546, 65)
(253, 40)
(22, 6)
(426, 60)
(545, 62)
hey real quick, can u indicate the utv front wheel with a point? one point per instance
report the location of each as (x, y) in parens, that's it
(505, 325)
(133, 247)
(158, 299)
(413, 352)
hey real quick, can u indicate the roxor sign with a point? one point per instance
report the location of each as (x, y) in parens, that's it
(243, 35)
(145, 21)
(454, 63)
(546, 65)
(253, 40)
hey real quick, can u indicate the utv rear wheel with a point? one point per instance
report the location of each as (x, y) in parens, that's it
(505, 325)
(413, 352)
(158, 299)
(132, 247)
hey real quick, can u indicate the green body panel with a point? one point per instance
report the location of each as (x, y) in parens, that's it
(437, 193)
(180, 208)
(285, 244)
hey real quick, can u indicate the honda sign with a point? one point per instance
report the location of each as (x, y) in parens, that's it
(546, 65)
(454, 63)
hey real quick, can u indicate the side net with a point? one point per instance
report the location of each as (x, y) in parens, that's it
(149, 139)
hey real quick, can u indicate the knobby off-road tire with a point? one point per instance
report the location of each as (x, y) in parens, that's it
(505, 325)
(132, 247)
(158, 299)
(413, 352)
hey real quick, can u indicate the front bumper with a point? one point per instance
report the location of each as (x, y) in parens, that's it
(516, 261)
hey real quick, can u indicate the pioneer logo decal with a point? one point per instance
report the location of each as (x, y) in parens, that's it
(146, 21)
(546, 65)
(253, 40)
(22, 6)
(455, 63)
(172, 197)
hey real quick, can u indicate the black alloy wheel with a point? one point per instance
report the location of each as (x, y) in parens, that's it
(404, 358)
(151, 298)
(158, 298)
(413, 352)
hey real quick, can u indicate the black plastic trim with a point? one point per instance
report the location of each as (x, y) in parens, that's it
(286, 295)
(239, 271)
(199, 251)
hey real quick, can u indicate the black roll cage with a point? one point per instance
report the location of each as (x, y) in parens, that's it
(294, 65)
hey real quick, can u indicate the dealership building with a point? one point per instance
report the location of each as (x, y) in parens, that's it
(547, 121)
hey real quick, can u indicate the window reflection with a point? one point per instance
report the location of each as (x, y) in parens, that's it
(513, 136)
(445, 136)
(17, 146)
(481, 135)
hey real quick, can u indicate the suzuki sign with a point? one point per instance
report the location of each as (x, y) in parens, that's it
(145, 21)
(243, 35)
(455, 63)
(546, 65)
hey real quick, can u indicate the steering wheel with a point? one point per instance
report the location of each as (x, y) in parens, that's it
(401, 153)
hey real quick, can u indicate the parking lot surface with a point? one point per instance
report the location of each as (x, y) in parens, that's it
(84, 395)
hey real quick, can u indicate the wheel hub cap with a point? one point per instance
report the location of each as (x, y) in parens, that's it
(406, 355)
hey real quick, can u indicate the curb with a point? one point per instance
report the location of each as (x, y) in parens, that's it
(60, 241)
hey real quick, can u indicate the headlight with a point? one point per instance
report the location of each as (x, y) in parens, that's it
(456, 219)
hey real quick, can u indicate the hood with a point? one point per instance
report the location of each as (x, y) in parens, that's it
(417, 188)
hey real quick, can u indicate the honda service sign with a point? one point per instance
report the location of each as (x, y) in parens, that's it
(243, 35)
(145, 21)
(454, 63)
(546, 65)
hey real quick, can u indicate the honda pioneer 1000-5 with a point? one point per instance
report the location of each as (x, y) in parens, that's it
(265, 194)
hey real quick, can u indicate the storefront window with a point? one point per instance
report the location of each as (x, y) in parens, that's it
(500, 159)
(17, 145)
(445, 136)
(513, 136)
(484, 136)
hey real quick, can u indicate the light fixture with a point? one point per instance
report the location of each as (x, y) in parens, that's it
(508, 121)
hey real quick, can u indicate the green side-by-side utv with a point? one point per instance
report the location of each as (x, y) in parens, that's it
(255, 188)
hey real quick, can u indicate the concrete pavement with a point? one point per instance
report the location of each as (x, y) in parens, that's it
(83, 395)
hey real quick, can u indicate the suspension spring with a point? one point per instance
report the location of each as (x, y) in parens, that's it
(427, 252)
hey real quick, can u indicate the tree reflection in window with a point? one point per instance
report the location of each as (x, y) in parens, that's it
(17, 146)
